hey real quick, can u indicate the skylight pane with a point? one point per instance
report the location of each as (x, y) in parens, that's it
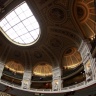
(26, 22)
(4, 21)
(8, 18)
(28, 13)
(30, 39)
(18, 10)
(19, 40)
(35, 25)
(27, 35)
(23, 37)
(34, 34)
(37, 31)
(32, 19)
(26, 40)
(12, 14)
(16, 20)
(24, 7)
(4, 28)
(30, 28)
(11, 30)
(21, 32)
(12, 35)
(1, 24)
(22, 16)
(16, 28)
(21, 25)
(7, 26)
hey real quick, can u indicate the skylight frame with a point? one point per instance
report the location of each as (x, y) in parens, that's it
(29, 31)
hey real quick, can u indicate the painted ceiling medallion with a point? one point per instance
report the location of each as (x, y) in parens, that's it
(57, 14)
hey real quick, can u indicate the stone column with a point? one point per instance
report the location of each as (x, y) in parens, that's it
(87, 60)
(56, 83)
(26, 82)
(1, 69)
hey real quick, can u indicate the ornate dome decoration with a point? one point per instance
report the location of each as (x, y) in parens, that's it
(15, 67)
(68, 33)
(57, 14)
(42, 69)
(86, 15)
(71, 58)
(82, 12)
(4, 94)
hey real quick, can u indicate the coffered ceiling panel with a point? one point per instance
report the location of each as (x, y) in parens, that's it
(86, 16)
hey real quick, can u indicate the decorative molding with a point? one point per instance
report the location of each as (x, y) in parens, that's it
(67, 33)
(57, 14)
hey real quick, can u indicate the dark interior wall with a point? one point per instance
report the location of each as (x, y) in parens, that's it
(74, 79)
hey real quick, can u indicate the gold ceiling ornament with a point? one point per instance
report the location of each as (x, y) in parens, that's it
(86, 15)
(15, 67)
(42, 69)
(71, 58)
(82, 11)
(4, 94)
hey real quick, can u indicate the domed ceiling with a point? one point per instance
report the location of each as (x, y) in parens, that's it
(71, 58)
(42, 69)
(63, 24)
(86, 17)
(14, 66)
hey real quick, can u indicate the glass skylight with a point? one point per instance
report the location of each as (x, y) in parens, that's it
(21, 25)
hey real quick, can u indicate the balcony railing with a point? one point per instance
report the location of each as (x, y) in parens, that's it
(78, 86)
